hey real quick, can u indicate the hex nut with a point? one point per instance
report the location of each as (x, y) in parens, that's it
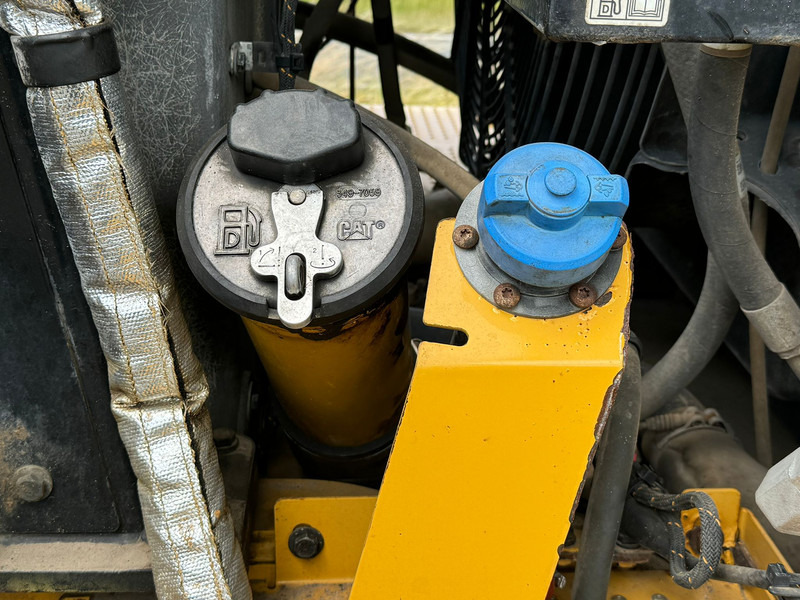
(305, 541)
(31, 483)
(622, 238)
(778, 496)
(465, 236)
(506, 295)
(582, 295)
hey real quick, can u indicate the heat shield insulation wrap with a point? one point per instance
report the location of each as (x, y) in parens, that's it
(158, 387)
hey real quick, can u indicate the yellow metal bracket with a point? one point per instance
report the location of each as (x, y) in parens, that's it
(493, 445)
(344, 523)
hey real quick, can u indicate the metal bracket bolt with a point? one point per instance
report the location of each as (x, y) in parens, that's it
(465, 236)
(582, 295)
(32, 483)
(622, 237)
(506, 295)
(305, 541)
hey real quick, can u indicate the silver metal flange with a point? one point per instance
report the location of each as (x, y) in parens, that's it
(541, 303)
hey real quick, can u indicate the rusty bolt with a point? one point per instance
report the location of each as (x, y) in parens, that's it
(622, 237)
(506, 295)
(465, 236)
(582, 295)
(305, 542)
(32, 483)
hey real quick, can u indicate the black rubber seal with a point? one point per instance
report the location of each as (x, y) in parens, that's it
(67, 58)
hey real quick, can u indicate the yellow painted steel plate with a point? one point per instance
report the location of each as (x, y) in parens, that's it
(493, 444)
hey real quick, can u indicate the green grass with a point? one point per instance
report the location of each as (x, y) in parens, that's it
(412, 16)
(331, 68)
(415, 16)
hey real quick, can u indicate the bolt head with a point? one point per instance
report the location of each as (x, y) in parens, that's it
(622, 238)
(32, 483)
(506, 295)
(306, 542)
(582, 295)
(297, 196)
(465, 236)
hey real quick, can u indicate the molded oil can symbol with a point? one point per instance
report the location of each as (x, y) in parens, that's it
(239, 229)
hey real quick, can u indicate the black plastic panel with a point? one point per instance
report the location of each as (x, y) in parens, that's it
(54, 398)
(756, 22)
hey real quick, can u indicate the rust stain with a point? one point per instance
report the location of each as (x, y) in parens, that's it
(9, 461)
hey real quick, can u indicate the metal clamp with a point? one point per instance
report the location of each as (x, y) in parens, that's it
(297, 256)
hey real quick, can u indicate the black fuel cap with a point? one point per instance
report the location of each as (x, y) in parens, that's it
(296, 136)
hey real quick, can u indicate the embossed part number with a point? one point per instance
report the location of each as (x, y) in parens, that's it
(344, 192)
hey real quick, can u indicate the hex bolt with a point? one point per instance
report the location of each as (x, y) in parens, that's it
(305, 541)
(506, 295)
(465, 236)
(622, 237)
(618, 597)
(297, 196)
(582, 295)
(31, 483)
(659, 597)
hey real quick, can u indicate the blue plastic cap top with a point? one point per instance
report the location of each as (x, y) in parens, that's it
(548, 214)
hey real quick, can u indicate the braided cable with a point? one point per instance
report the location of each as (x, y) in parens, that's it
(711, 537)
(286, 75)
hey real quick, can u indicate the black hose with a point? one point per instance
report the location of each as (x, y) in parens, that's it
(609, 486)
(716, 308)
(713, 175)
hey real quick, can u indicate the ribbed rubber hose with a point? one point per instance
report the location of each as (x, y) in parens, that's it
(609, 486)
(714, 171)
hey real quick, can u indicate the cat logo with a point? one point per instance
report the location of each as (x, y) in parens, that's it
(239, 229)
(357, 229)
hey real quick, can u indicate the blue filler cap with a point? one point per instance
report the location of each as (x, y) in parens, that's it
(549, 213)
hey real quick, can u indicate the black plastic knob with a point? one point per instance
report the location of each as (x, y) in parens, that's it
(296, 136)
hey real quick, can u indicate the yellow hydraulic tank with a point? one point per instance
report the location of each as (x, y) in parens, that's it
(342, 384)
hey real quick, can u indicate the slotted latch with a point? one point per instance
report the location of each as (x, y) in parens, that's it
(297, 257)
